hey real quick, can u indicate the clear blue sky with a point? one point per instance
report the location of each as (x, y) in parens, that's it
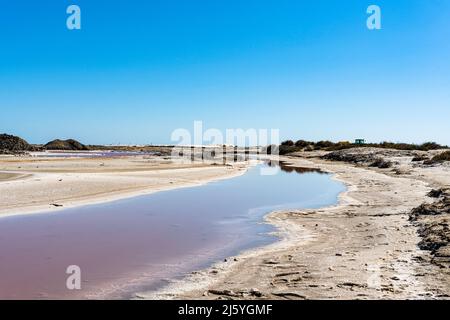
(140, 69)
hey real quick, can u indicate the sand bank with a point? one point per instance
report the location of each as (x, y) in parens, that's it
(30, 185)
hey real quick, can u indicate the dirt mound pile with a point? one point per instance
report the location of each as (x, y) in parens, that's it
(67, 145)
(10, 144)
(360, 156)
(431, 209)
(433, 222)
(440, 158)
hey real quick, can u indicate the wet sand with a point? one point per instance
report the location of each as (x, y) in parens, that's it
(7, 176)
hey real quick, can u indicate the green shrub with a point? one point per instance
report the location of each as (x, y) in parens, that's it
(288, 143)
(303, 143)
(289, 146)
(431, 146)
(324, 145)
(284, 149)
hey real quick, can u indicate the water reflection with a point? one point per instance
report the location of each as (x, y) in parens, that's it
(288, 167)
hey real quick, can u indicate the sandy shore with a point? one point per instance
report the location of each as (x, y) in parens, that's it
(363, 248)
(30, 185)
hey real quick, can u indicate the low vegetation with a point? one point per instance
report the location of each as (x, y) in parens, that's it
(289, 146)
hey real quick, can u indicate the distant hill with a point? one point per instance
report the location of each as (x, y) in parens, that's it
(67, 145)
(13, 144)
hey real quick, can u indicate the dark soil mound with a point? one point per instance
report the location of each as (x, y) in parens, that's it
(419, 158)
(442, 157)
(359, 156)
(436, 193)
(433, 227)
(381, 163)
(435, 235)
(12, 144)
(431, 209)
(351, 157)
(67, 145)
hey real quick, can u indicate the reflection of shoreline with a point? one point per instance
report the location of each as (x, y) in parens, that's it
(289, 167)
